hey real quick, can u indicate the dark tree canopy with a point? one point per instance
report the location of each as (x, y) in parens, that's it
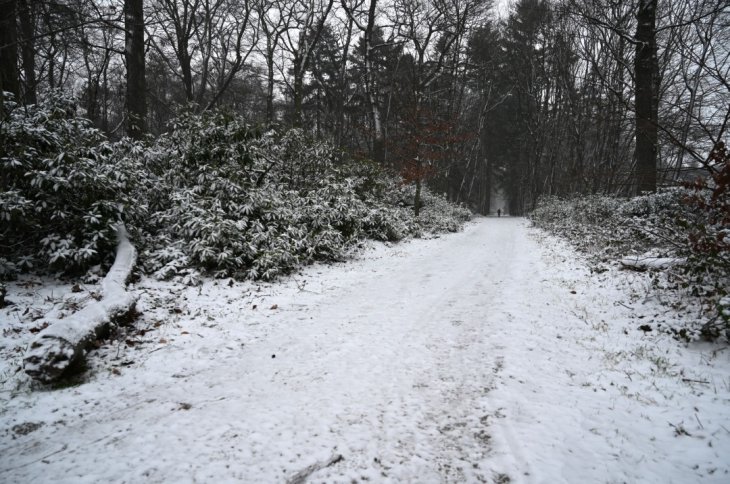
(552, 98)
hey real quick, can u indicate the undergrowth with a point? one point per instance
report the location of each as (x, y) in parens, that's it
(689, 226)
(213, 196)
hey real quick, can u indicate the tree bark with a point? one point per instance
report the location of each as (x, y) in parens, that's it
(645, 66)
(64, 342)
(270, 85)
(25, 14)
(9, 48)
(134, 57)
(417, 197)
(378, 141)
(273, 29)
(298, 92)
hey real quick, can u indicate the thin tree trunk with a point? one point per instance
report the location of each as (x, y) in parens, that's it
(417, 198)
(342, 82)
(693, 88)
(270, 84)
(187, 73)
(298, 92)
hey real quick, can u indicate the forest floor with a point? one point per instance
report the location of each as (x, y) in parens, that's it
(490, 355)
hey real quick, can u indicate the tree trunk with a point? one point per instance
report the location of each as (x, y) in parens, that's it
(270, 85)
(417, 198)
(52, 62)
(376, 118)
(25, 14)
(9, 49)
(64, 342)
(342, 85)
(645, 66)
(134, 56)
(298, 92)
(187, 71)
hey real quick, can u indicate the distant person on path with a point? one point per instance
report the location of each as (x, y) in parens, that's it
(499, 212)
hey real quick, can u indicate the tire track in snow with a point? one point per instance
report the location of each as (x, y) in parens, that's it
(428, 361)
(390, 365)
(427, 335)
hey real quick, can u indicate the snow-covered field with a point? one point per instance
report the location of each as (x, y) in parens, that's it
(491, 355)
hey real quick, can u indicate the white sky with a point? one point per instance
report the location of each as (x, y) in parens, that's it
(502, 7)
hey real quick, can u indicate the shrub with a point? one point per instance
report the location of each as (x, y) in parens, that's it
(64, 188)
(439, 215)
(251, 204)
(709, 237)
(213, 195)
(687, 224)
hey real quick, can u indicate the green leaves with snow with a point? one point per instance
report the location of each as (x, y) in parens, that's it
(63, 188)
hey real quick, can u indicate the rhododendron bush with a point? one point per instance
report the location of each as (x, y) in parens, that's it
(213, 195)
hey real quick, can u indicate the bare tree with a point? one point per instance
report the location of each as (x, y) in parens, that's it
(305, 20)
(430, 29)
(367, 26)
(204, 43)
(26, 15)
(695, 109)
(229, 52)
(273, 26)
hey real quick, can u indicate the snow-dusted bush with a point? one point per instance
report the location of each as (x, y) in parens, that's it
(213, 195)
(591, 222)
(659, 221)
(438, 214)
(256, 204)
(710, 198)
(683, 224)
(242, 203)
(608, 228)
(64, 187)
(709, 236)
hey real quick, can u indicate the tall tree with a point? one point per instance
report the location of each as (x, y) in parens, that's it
(26, 15)
(9, 48)
(208, 44)
(136, 100)
(273, 26)
(367, 27)
(431, 29)
(646, 71)
(305, 20)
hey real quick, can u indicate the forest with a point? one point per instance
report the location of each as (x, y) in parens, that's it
(243, 138)
(364, 240)
(550, 97)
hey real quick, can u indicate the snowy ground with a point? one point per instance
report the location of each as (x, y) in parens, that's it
(491, 355)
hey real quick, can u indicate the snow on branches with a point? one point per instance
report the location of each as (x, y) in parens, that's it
(213, 195)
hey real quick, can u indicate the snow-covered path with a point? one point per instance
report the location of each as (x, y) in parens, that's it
(483, 356)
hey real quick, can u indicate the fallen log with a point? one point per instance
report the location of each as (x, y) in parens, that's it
(643, 263)
(302, 476)
(65, 341)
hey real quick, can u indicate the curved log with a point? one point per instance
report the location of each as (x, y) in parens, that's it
(65, 341)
